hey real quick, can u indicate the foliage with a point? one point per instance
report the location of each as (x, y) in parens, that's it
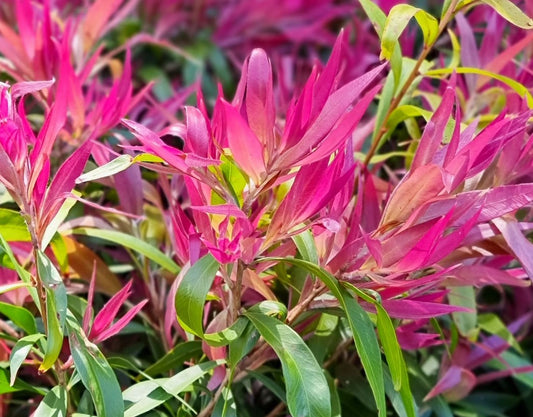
(265, 208)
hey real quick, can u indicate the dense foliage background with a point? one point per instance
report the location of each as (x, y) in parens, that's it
(266, 208)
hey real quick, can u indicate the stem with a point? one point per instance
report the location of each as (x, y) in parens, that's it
(206, 412)
(236, 293)
(414, 73)
(276, 411)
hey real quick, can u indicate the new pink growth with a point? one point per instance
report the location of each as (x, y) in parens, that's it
(103, 327)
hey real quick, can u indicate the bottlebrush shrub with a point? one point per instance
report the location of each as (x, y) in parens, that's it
(335, 255)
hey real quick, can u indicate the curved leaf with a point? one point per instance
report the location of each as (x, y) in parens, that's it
(362, 328)
(307, 387)
(519, 88)
(20, 352)
(95, 372)
(133, 243)
(54, 403)
(113, 167)
(146, 395)
(397, 21)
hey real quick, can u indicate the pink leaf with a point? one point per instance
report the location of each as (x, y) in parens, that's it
(332, 111)
(107, 314)
(414, 310)
(516, 240)
(29, 87)
(223, 209)
(433, 134)
(120, 323)
(65, 179)
(480, 275)
(259, 101)
(457, 382)
(243, 143)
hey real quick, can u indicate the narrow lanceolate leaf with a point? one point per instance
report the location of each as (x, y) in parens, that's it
(20, 316)
(362, 328)
(175, 357)
(113, 167)
(518, 87)
(190, 299)
(95, 372)
(54, 404)
(394, 355)
(397, 21)
(306, 246)
(54, 336)
(133, 243)
(307, 388)
(147, 395)
(192, 292)
(511, 12)
(53, 282)
(466, 321)
(20, 352)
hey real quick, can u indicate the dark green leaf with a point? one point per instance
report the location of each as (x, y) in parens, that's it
(19, 353)
(95, 372)
(307, 388)
(54, 336)
(54, 404)
(192, 292)
(241, 346)
(362, 329)
(306, 246)
(19, 316)
(175, 357)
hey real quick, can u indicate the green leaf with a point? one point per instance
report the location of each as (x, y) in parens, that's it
(190, 299)
(20, 316)
(395, 360)
(192, 292)
(19, 353)
(18, 386)
(466, 321)
(405, 112)
(492, 324)
(175, 357)
(54, 336)
(53, 282)
(325, 336)
(133, 243)
(397, 21)
(147, 395)
(336, 408)
(379, 19)
(95, 372)
(306, 246)
(519, 88)
(58, 219)
(241, 346)
(13, 226)
(24, 275)
(510, 12)
(113, 167)
(225, 406)
(54, 404)
(307, 388)
(362, 329)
